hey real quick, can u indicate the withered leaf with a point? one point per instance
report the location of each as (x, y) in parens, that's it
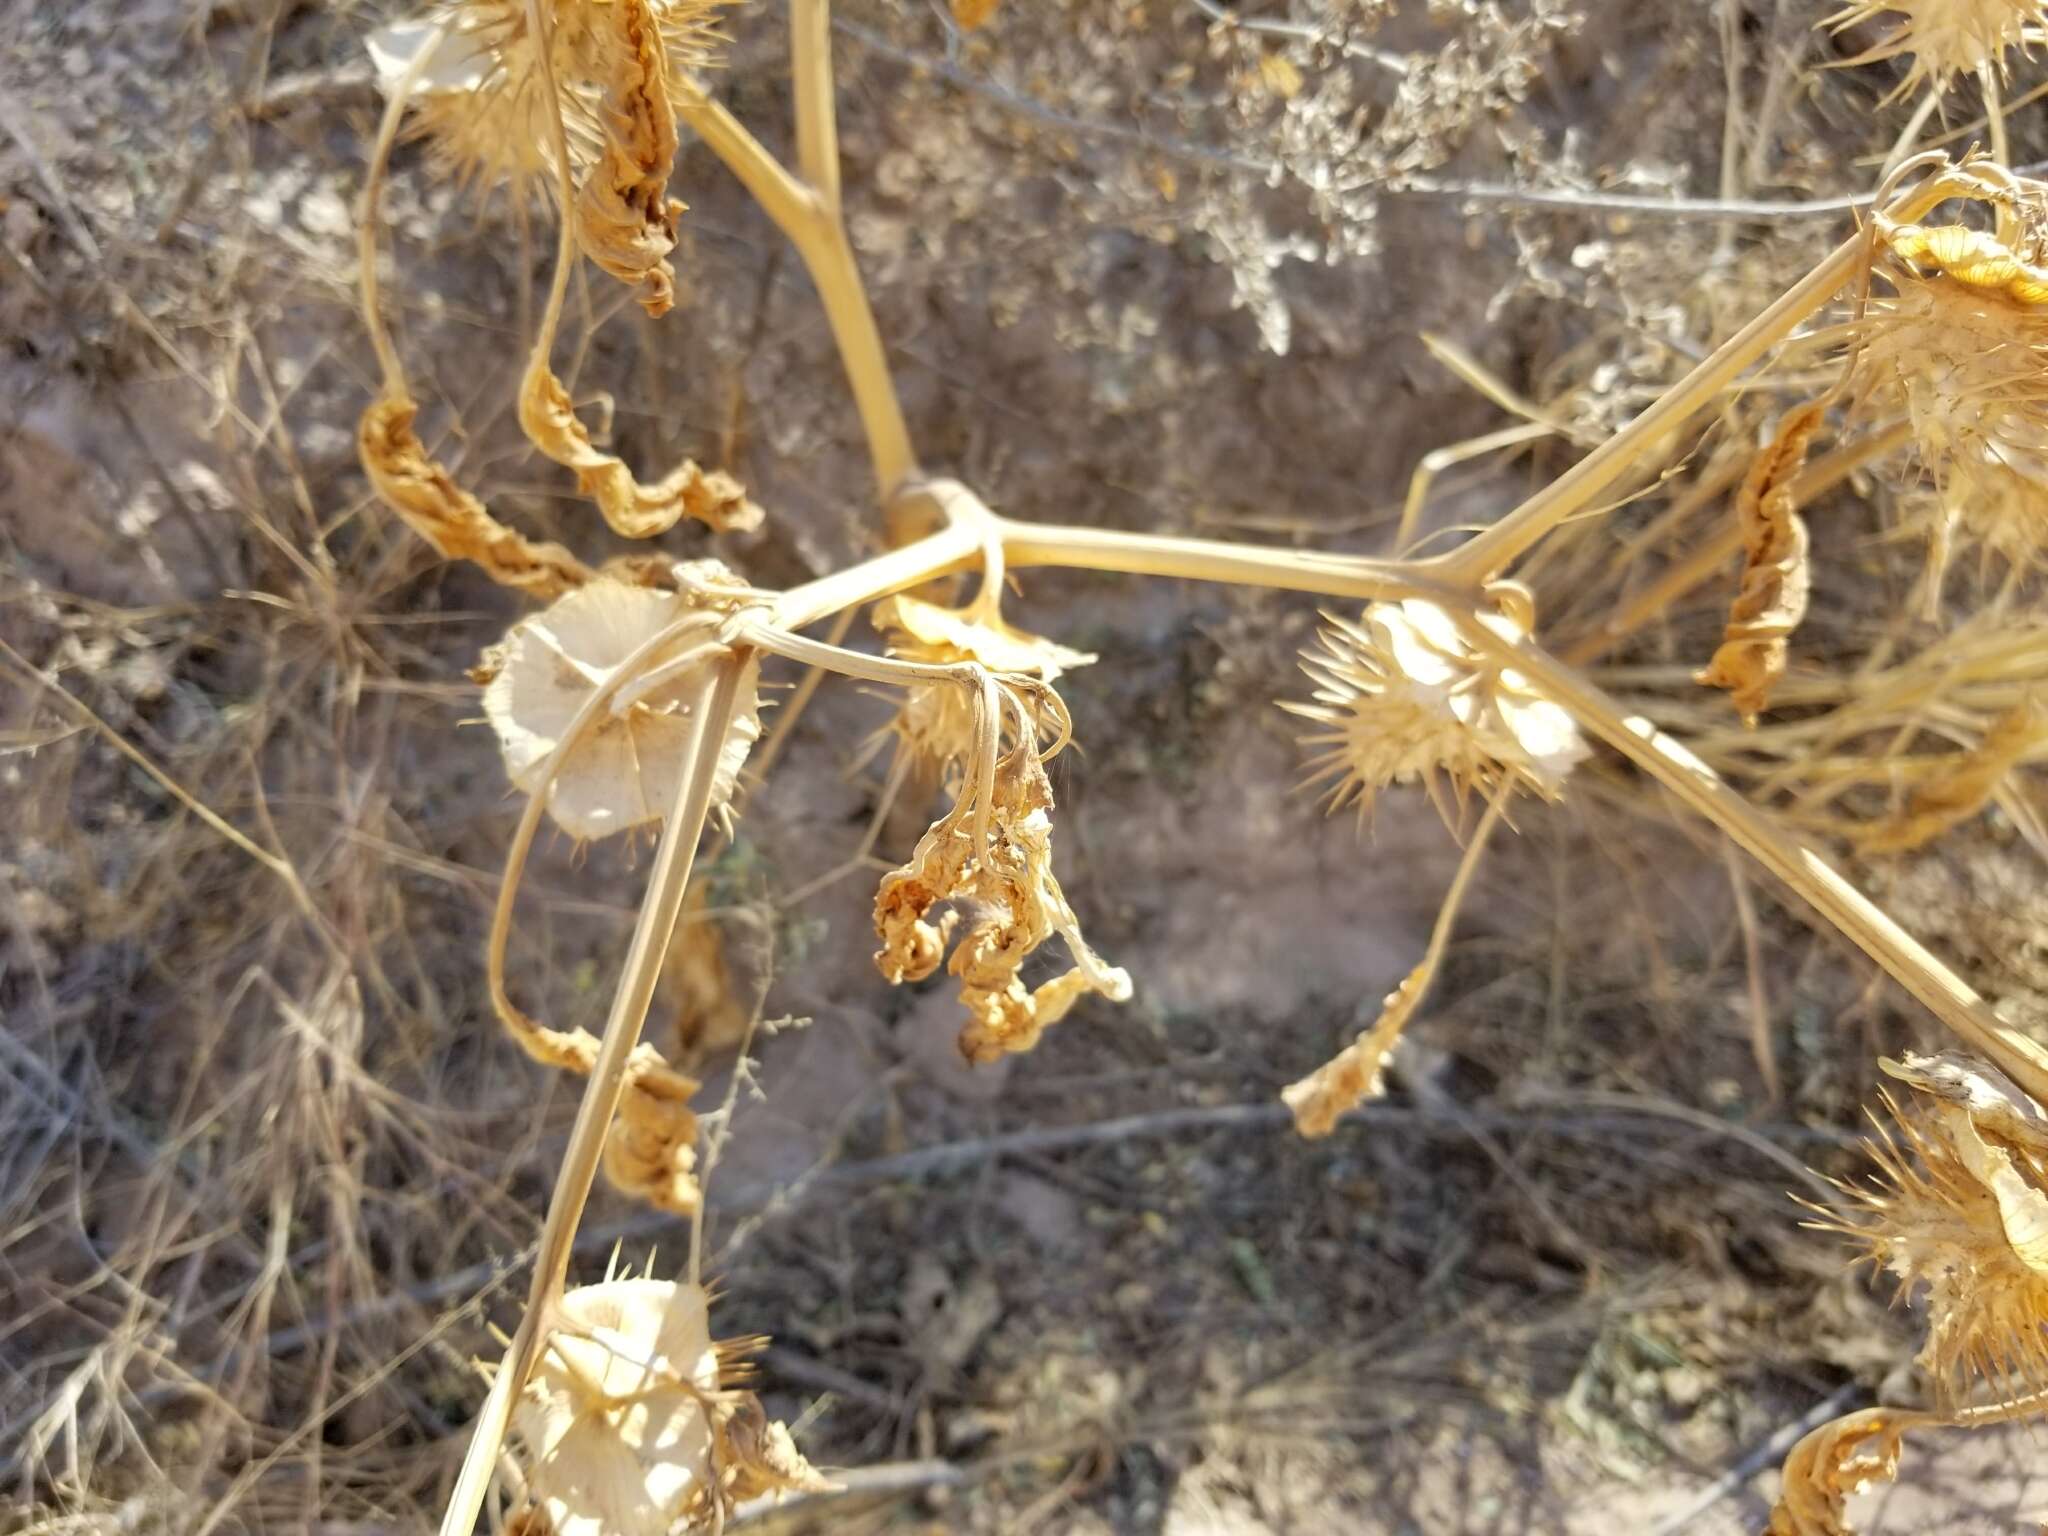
(1776, 578)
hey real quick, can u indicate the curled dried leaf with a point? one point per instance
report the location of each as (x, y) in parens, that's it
(448, 517)
(623, 771)
(1972, 257)
(1776, 578)
(1841, 1458)
(633, 510)
(1963, 784)
(1013, 904)
(969, 15)
(625, 219)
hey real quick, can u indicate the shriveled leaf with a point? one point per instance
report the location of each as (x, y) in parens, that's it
(1964, 784)
(1279, 76)
(969, 15)
(448, 517)
(625, 219)
(1971, 256)
(1771, 600)
(633, 510)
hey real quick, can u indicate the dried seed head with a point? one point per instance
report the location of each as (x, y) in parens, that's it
(1945, 37)
(631, 1421)
(1014, 903)
(1960, 1208)
(1402, 696)
(616, 1419)
(1960, 345)
(624, 769)
(936, 721)
(479, 100)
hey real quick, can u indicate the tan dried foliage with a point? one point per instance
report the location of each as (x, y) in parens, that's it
(697, 983)
(970, 15)
(625, 219)
(1837, 1460)
(1963, 785)
(1960, 1208)
(633, 510)
(631, 1423)
(1358, 1072)
(454, 522)
(1013, 904)
(1776, 578)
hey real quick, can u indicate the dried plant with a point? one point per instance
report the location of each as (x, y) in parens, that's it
(633, 697)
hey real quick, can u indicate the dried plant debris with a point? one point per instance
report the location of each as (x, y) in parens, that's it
(936, 721)
(454, 522)
(1839, 1459)
(631, 1424)
(631, 509)
(622, 771)
(1358, 1072)
(1960, 347)
(1012, 905)
(1959, 1211)
(625, 219)
(1946, 38)
(479, 102)
(1776, 580)
(1402, 696)
(1961, 786)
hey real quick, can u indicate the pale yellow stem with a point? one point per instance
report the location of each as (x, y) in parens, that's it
(1490, 552)
(1781, 851)
(807, 213)
(711, 711)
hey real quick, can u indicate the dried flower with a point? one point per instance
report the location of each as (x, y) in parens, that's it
(1960, 1207)
(1945, 37)
(623, 772)
(1404, 697)
(1014, 905)
(631, 1421)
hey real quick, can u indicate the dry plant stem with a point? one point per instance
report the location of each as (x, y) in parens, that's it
(1903, 957)
(1492, 550)
(369, 218)
(807, 213)
(711, 710)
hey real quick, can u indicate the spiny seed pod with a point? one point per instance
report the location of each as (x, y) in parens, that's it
(1945, 37)
(1961, 347)
(1403, 696)
(631, 1421)
(479, 101)
(1959, 1209)
(623, 771)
